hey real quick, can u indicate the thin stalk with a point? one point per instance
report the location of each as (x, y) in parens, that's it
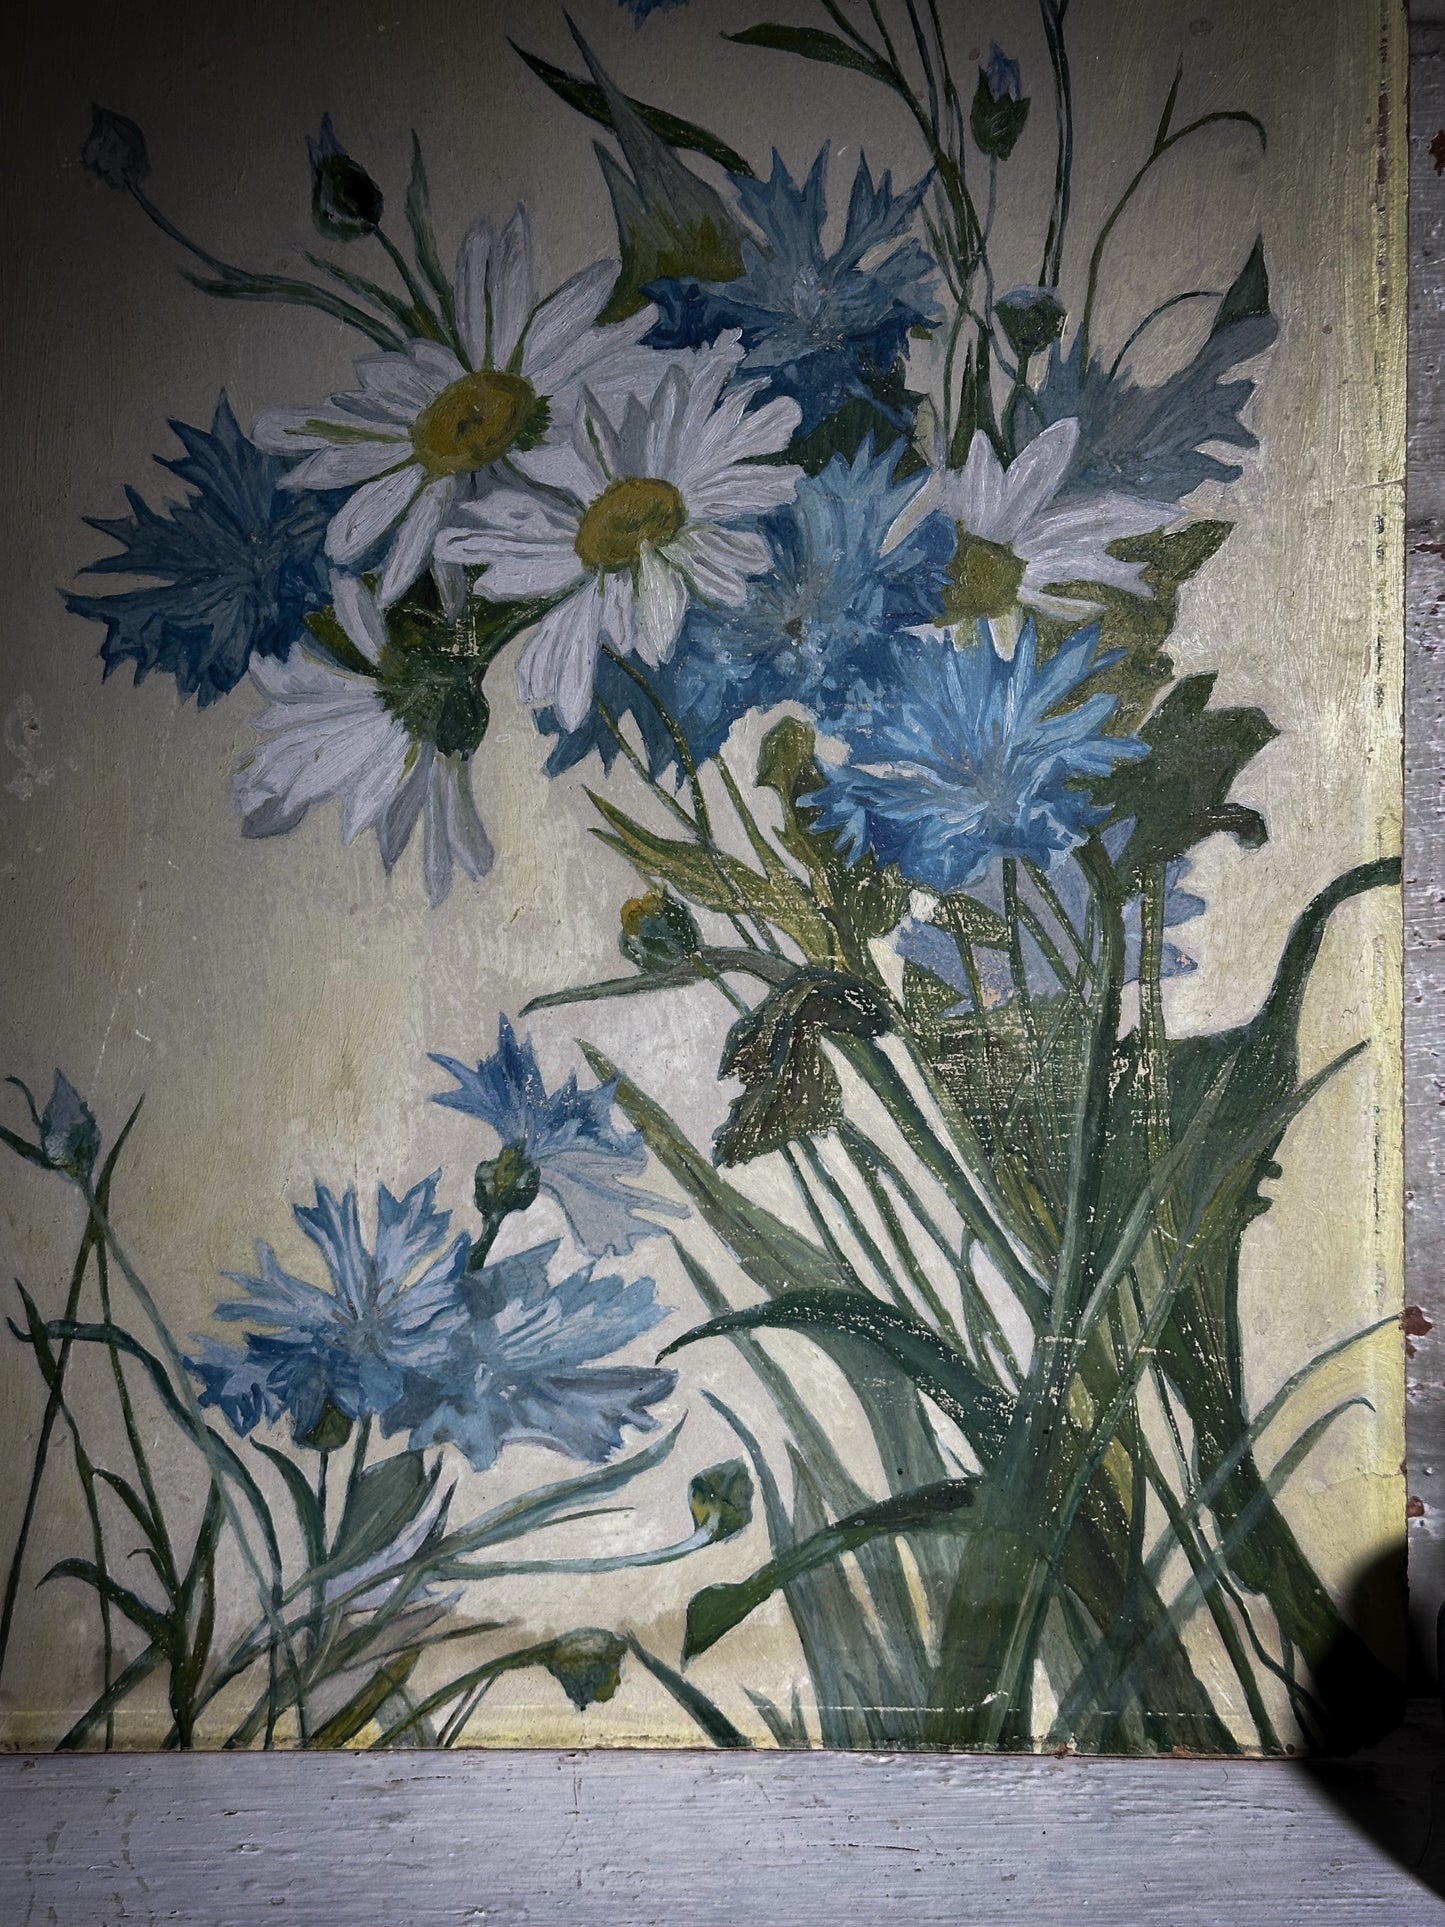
(419, 300)
(268, 1590)
(1190, 294)
(823, 1177)
(846, 1268)
(1055, 905)
(922, 1284)
(1052, 14)
(358, 1463)
(1163, 143)
(271, 287)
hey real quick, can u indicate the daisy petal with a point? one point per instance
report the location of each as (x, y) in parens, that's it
(358, 614)
(558, 663)
(472, 262)
(371, 512)
(414, 539)
(661, 606)
(509, 283)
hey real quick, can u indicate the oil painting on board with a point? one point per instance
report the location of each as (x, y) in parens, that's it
(701, 916)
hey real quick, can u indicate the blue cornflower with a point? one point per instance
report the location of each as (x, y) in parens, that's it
(965, 759)
(390, 1308)
(814, 628)
(520, 1367)
(919, 941)
(239, 565)
(580, 1156)
(640, 9)
(820, 326)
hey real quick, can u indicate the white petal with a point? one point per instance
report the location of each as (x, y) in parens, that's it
(451, 581)
(398, 820)
(748, 489)
(509, 282)
(414, 539)
(763, 431)
(472, 261)
(1032, 479)
(571, 466)
(980, 492)
(358, 614)
(558, 663)
(402, 385)
(562, 323)
(617, 612)
(661, 606)
(436, 846)
(344, 464)
(371, 512)
(290, 431)
(469, 842)
(717, 562)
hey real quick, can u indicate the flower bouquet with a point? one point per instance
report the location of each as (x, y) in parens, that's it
(848, 575)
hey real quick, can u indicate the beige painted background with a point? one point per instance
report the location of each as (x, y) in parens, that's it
(276, 1000)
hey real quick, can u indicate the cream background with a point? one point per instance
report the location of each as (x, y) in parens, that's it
(276, 1000)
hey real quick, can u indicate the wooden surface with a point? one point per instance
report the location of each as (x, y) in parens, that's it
(700, 1838)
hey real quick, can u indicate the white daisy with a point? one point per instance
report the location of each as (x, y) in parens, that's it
(425, 426)
(331, 732)
(1013, 546)
(627, 522)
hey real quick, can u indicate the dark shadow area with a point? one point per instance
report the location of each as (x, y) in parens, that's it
(1384, 1771)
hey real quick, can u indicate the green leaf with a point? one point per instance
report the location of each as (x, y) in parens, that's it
(587, 1665)
(157, 1626)
(1179, 793)
(670, 224)
(423, 235)
(721, 1499)
(139, 1670)
(309, 1515)
(709, 1716)
(716, 880)
(589, 99)
(1248, 294)
(790, 1090)
(860, 900)
(717, 1609)
(380, 1505)
(364, 1705)
(979, 1410)
(789, 1730)
(1140, 625)
(996, 124)
(813, 43)
(775, 1256)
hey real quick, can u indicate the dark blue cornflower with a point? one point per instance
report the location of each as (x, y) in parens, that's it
(580, 1156)
(238, 565)
(640, 9)
(965, 758)
(821, 327)
(521, 1367)
(389, 1308)
(814, 629)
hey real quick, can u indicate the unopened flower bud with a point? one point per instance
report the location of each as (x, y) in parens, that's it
(506, 1183)
(115, 149)
(658, 932)
(998, 114)
(587, 1665)
(721, 1499)
(1031, 318)
(69, 1135)
(346, 202)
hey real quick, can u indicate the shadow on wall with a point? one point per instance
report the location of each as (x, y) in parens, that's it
(1385, 1773)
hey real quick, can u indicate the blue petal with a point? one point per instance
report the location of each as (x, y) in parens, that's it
(238, 565)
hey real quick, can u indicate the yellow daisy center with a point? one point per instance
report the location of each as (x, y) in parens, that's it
(630, 511)
(474, 422)
(983, 579)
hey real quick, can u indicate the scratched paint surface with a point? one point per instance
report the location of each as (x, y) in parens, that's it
(185, 920)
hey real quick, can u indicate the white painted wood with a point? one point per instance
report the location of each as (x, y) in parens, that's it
(701, 1838)
(705, 1839)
